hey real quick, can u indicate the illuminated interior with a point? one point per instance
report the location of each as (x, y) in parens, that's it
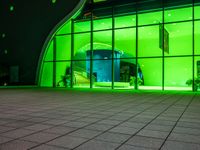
(148, 50)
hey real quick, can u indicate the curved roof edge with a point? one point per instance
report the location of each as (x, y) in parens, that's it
(73, 14)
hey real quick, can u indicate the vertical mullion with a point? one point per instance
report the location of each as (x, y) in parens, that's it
(91, 50)
(136, 78)
(193, 48)
(163, 46)
(54, 62)
(72, 51)
(113, 47)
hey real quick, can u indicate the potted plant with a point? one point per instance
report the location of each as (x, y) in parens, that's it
(196, 83)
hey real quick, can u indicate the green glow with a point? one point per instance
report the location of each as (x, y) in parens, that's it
(80, 41)
(148, 41)
(125, 21)
(177, 69)
(61, 68)
(53, 1)
(180, 38)
(11, 8)
(81, 77)
(125, 43)
(66, 28)
(3, 35)
(49, 52)
(197, 12)
(152, 71)
(47, 75)
(82, 26)
(104, 37)
(101, 24)
(197, 37)
(150, 18)
(63, 47)
(178, 14)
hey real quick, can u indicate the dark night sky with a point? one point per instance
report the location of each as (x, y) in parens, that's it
(25, 29)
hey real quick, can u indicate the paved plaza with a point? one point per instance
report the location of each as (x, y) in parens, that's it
(60, 119)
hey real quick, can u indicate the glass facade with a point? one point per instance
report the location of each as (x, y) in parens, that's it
(156, 49)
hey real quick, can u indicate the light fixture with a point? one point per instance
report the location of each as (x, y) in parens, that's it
(169, 15)
(11, 8)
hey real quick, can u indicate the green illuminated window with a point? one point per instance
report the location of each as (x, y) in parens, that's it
(150, 18)
(102, 40)
(63, 47)
(102, 73)
(81, 74)
(180, 38)
(65, 29)
(101, 24)
(125, 42)
(82, 26)
(125, 21)
(124, 73)
(177, 71)
(81, 45)
(197, 37)
(49, 52)
(63, 74)
(148, 41)
(179, 14)
(47, 75)
(163, 51)
(151, 73)
(197, 12)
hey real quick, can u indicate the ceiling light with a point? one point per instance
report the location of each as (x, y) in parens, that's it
(169, 15)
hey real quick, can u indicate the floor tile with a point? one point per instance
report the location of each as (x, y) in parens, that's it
(17, 145)
(40, 137)
(17, 133)
(113, 137)
(48, 147)
(153, 133)
(148, 142)
(97, 145)
(67, 141)
(85, 133)
(174, 145)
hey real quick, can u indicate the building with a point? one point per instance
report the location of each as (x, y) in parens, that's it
(151, 45)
